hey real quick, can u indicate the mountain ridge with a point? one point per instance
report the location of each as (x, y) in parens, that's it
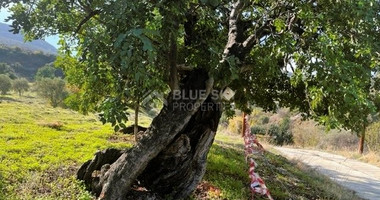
(17, 40)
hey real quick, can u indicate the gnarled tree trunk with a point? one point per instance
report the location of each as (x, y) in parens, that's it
(170, 159)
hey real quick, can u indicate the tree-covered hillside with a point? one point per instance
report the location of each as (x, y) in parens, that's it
(24, 58)
(24, 63)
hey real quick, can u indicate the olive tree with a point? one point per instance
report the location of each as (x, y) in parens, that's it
(53, 90)
(314, 56)
(46, 71)
(5, 84)
(7, 70)
(20, 85)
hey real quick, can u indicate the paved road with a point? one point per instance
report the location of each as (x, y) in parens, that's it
(360, 177)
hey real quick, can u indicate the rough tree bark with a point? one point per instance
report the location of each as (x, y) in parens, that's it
(171, 157)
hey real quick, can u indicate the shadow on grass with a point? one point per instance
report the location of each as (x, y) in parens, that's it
(29, 97)
(228, 171)
(2, 195)
(8, 99)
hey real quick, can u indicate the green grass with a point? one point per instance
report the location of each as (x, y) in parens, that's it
(41, 148)
(40, 162)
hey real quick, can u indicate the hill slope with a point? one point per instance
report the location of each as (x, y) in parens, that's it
(17, 40)
(24, 63)
(24, 58)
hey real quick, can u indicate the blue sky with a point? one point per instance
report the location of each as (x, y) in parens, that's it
(53, 40)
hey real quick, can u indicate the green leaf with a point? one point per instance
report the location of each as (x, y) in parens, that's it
(119, 40)
(279, 24)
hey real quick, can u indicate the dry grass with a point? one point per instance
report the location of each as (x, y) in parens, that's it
(338, 141)
(370, 157)
(306, 133)
(53, 125)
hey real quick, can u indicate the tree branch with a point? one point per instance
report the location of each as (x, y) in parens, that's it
(88, 17)
(183, 67)
(233, 27)
(255, 37)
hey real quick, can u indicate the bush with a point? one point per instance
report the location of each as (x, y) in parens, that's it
(265, 120)
(279, 136)
(258, 130)
(5, 84)
(47, 71)
(285, 124)
(20, 85)
(54, 90)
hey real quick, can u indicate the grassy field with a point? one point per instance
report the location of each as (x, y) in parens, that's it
(42, 147)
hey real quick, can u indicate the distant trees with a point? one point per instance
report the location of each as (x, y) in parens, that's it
(20, 85)
(52, 89)
(24, 63)
(47, 71)
(7, 70)
(5, 84)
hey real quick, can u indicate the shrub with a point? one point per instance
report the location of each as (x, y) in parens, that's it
(258, 130)
(54, 90)
(279, 136)
(265, 120)
(20, 85)
(47, 71)
(5, 84)
(285, 123)
(273, 132)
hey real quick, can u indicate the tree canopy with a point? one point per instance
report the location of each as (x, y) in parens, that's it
(7, 70)
(315, 56)
(53, 90)
(20, 85)
(5, 84)
(48, 71)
